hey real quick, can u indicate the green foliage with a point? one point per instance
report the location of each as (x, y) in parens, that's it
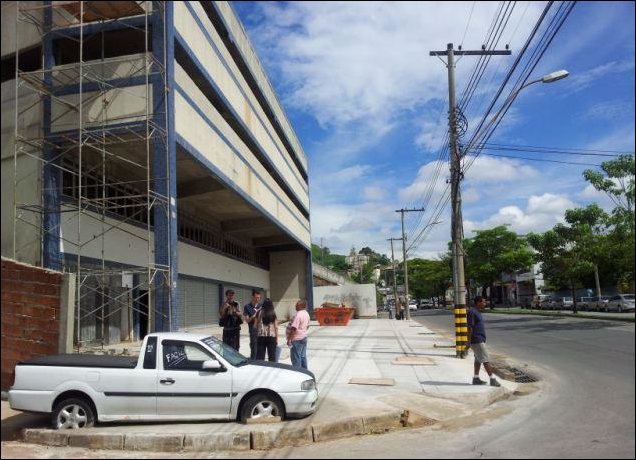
(617, 180)
(429, 278)
(493, 252)
(324, 257)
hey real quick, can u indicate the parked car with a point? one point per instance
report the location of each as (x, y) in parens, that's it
(562, 303)
(601, 303)
(621, 303)
(540, 301)
(425, 304)
(178, 376)
(586, 303)
(412, 305)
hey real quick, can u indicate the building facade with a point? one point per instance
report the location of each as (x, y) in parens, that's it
(144, 150)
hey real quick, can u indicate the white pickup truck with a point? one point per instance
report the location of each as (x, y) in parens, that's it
(177, 376)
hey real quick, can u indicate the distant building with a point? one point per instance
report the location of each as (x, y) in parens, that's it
(356, 260)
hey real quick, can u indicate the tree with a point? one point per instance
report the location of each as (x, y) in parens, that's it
(617, 180)
(493, 252)
(587, 232)
(564, 262)
(335, 262)
(429, 278)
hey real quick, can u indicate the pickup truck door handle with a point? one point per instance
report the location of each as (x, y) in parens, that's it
(167, 381)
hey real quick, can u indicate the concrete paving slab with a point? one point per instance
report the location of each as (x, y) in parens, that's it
(413, 361)
(383, 382)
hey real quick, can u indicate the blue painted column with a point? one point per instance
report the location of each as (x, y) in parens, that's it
(164, 172)
(51, 217)
(310, 283)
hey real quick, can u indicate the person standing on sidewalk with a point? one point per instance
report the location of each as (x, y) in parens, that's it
(267, 327)
(231, 320)
(249, 311)
(477, 341)
(297, 335)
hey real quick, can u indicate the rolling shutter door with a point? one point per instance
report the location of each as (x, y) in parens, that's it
(212, 303)
(198, 302)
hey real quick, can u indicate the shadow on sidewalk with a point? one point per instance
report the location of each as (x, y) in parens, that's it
(12, 425)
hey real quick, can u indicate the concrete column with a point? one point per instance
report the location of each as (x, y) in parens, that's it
(164, 172)
(290, 275)
(67, 313)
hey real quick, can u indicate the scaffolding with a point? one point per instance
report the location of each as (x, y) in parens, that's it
(93, 119)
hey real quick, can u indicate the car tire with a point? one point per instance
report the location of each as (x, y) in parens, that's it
(261, 405)
(73, 413)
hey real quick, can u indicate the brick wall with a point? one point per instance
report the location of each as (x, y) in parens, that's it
(30, 315)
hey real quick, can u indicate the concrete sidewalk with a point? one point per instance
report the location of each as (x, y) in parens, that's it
(405, 380)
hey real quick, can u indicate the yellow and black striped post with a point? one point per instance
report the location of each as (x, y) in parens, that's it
(461, 331)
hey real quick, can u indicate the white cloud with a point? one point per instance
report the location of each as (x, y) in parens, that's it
(609, 110)
(348, 61)
(583, 80)
(542, 213)
(372, 193)
(494, 170)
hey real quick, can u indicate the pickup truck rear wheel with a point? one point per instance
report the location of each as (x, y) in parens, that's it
(72, 413)
(262, 405)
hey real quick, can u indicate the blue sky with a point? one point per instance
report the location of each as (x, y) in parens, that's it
(369, 105)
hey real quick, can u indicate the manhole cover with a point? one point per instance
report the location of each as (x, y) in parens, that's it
(522, 377)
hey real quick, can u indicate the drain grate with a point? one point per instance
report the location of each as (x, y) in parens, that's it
(522, 377)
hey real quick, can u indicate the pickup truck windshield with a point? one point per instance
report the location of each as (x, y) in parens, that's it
(228, 353)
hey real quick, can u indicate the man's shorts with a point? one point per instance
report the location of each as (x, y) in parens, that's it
(481, 353)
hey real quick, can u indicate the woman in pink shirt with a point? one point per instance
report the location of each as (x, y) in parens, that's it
(297, 335)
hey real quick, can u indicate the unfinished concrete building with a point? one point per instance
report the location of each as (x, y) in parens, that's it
(144, 150)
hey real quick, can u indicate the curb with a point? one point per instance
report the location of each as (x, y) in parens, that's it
(287, 436)
(561, 315)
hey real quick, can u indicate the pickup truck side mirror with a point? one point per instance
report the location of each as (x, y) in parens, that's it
(213, 365)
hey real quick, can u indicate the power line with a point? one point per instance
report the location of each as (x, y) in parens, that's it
(544, 42)
(470, 16)
(536, 159)
(550, 150)
(577, 149)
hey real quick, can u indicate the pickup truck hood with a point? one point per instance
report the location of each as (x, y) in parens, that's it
(280, 366)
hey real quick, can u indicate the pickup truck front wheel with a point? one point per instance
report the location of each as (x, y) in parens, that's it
(262, 405)
(72, 413)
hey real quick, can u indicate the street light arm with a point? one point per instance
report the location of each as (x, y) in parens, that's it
(549, 78)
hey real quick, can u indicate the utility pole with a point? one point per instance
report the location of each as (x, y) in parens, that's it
(395, 299)
(457, 231)
(322, 253)
(406, 268)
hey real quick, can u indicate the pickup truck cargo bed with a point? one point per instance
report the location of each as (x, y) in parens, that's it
(77, 360)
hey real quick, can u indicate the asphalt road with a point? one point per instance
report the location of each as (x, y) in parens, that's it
(586, 408)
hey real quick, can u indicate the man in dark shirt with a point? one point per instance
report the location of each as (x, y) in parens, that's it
(477, 341)
(230, 318)
(249, 311)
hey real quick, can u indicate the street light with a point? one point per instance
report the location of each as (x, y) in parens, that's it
(549, 78)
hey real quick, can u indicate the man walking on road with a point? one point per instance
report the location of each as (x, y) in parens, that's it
(477, 341)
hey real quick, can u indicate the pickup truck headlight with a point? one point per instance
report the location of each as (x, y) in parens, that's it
(308, 385)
